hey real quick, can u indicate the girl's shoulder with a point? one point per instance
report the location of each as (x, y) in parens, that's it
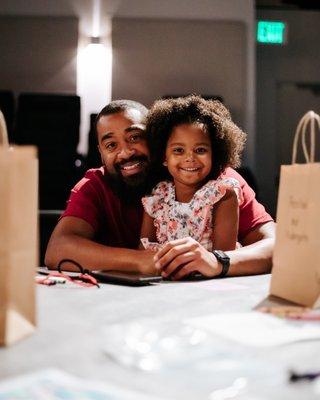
(214, 184)
(226, 181)
(214, 190)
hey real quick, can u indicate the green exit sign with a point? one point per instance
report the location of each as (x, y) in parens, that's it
(271, 32)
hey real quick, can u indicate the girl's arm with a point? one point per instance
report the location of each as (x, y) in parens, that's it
(226, 222)
(148, 230)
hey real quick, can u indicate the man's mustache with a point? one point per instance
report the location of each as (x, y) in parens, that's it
(141, 158)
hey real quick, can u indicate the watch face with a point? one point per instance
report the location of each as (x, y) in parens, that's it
(224, 259)
(221, 255)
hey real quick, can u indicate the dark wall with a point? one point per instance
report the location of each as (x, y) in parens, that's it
(287, 81)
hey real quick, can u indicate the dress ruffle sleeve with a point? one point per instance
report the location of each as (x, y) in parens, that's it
(153, 203)
(216, 190)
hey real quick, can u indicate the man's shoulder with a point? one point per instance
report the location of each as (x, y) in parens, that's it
(89, 198)
(95, 173)
(93, 177)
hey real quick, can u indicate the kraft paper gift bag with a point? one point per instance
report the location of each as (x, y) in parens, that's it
(18, 238)
(296, 259)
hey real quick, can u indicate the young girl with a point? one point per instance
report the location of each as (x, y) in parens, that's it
(191, 142)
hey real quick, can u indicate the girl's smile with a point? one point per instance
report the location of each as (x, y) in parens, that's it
(190, 169)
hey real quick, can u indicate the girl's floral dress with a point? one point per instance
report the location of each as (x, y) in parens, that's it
(175, 220)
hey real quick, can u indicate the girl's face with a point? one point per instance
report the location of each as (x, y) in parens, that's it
(189, 155)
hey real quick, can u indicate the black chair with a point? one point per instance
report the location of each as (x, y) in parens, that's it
(248, 175)
(47, 221)
(7, 106)
(51, 122)
(93, 159)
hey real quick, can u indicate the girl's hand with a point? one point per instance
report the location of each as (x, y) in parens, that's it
(179, 258)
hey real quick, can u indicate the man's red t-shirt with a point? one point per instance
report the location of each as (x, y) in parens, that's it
(118, 225)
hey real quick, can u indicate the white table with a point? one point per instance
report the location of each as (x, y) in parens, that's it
(74, 324)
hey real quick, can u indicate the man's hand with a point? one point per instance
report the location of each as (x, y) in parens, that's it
(179, 258)
(73, 238)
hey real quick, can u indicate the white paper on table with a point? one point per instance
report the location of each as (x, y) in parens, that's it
(256, 328)
(53, 384)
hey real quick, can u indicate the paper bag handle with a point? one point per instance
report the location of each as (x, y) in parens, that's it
(309, 118)
(3, 132)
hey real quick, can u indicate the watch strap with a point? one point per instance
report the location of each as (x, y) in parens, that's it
(224, 260)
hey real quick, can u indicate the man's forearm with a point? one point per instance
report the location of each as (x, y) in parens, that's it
(253, 259)
(93, 256)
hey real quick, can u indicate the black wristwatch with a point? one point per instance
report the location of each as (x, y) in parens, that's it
(224, 260)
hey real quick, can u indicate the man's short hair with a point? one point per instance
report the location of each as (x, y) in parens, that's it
(117, 106)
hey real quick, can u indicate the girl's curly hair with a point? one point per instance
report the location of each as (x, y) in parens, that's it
(227, 139)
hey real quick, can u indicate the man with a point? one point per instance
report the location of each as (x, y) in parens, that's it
(101, 225)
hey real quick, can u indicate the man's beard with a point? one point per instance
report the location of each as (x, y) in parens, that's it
(130, 188)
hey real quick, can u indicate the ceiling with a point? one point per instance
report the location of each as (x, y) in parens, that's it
(289, 4)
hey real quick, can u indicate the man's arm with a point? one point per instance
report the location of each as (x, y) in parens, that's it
(73, 239)
(256, 255)
(184, 256)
